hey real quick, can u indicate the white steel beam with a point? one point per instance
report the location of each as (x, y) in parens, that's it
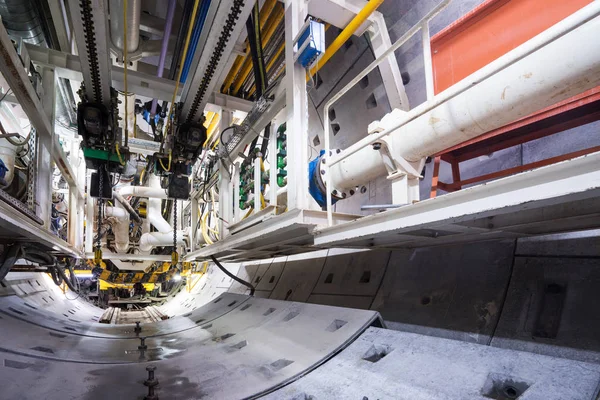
(13, 221)
(296, 108)
(212, 55)
(16, 76)
(93, 46)
(69, 66)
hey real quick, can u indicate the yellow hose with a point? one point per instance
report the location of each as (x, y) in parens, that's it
(163, 165)
(119, 153)
(269, 65)
(265, 12)
(274, 21)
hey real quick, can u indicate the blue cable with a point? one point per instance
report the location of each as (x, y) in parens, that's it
(198, 26)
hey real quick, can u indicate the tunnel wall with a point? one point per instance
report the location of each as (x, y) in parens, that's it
(534, 294)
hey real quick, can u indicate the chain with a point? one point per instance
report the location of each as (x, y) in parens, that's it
(31, 171)
(174, 255)
(98, 252)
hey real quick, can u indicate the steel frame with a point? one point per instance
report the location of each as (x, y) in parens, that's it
(41, 114)
(576, 111)
(472, 212)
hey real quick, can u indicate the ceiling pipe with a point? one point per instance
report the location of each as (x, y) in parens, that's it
(164, 47)
(117, 24)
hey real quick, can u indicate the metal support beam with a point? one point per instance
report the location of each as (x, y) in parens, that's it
(12, 69)
(297, 109)
(213, 53)
(225, 185)
(390, 73)
(69, 66)
(90, 30)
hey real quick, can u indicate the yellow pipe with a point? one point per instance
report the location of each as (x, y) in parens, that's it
(348, 31)
(235, 68)
(265, 12)
(209, 117)
(272, 24)
(211, 129)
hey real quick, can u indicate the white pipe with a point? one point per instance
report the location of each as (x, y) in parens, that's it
(153, 239)
(107, 255)
(555, 65)
(117, 212)
(143, 191)
(155, 216)
(117, 24)
(8, 153)
(120, 227)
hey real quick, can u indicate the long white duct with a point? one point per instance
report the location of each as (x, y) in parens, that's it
(155, 192)
(117, 25)
(153, 239)
(554, 72)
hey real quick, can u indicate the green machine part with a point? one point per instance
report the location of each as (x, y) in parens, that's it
(281, 155)
(96, 157)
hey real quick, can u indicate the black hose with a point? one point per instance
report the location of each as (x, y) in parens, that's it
(38, 257)
(9, 258)
(58, 280)
(235, 278)
(61, 273)
(72, 273)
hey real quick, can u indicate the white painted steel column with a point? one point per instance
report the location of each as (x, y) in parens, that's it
(45, 149)
(257, 185)
(427, 62)
(236, 193)
(297, 109)
(390, 73)
(89, 219)
(555, 65)
(225, 184)
(273, 166)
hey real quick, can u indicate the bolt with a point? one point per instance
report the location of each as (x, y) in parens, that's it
(137, 328)
(376, 146)
(322, 172)
(150, 369)
(151, 383)
(338, 151)
(363, 189)
(335, 192)
(344, 195)
(142, 345)
(323, 161)
(351, 192)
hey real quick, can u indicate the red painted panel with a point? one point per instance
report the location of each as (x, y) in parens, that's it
(489, 31)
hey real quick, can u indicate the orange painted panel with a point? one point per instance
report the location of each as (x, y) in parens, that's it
(489, 31)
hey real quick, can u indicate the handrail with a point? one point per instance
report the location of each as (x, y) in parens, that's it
(411, 32)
